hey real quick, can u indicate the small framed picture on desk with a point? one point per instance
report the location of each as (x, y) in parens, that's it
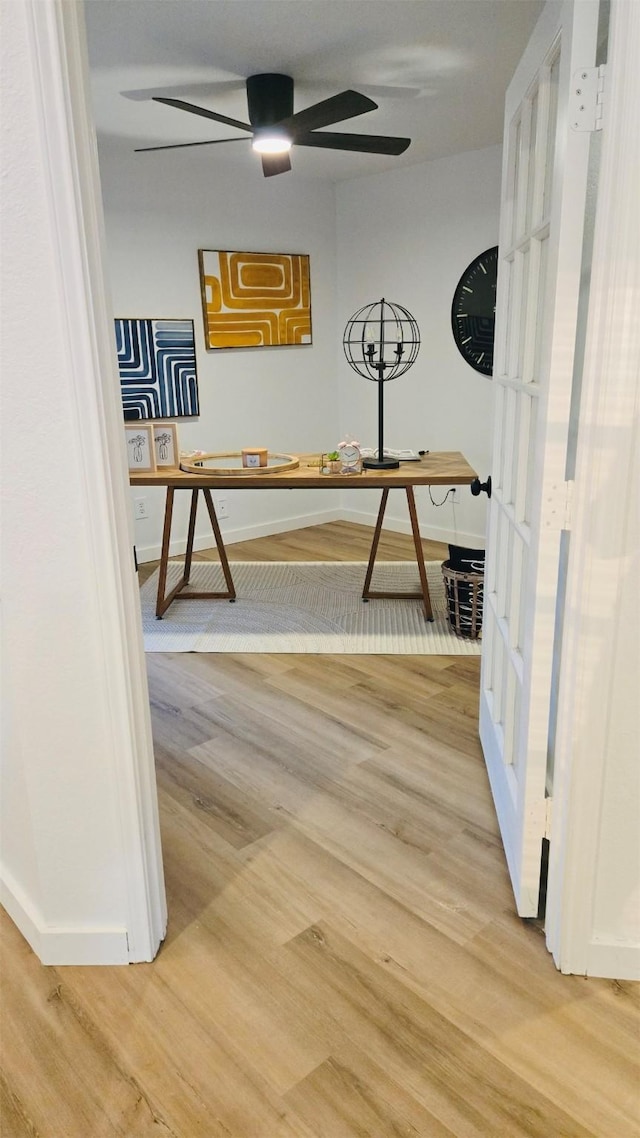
(140, 447)
(165, 445)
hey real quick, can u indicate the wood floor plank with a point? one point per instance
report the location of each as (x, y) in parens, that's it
(183, 1058)
(435, 1062)
(404, 873)
(574, 1047)
(249, 1006)
(364, 791)
(441, 778)
(511, 1002)
(373, 789)
(14, 1120)
(299, 744)
(239, 818)
(63, 1096)
(349, 1095)
(215, 881)
(375, 711)
(436, 717)
(171, 684)
(174, 727)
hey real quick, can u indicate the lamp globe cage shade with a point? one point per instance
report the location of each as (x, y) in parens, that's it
(381, 342)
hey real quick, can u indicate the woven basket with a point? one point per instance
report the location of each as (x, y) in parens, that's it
(465, 594)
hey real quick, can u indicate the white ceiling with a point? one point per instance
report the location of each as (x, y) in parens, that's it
(438, 70)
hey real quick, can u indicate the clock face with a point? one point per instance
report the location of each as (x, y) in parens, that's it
(349, 454)
(473, 312)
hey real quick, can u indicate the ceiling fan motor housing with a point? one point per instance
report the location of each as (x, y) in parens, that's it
(269, 99)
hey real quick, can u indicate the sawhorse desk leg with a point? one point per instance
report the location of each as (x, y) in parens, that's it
(164, 599)
(423, 595)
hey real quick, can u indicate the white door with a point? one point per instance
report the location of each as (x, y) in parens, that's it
(541, 229)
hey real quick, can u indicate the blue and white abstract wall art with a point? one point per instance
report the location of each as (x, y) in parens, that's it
(157, 365)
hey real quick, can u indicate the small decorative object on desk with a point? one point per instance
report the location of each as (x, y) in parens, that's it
(191, 456)
(350, 456)
(400, 455)
(232, 464)
(165, 441)
(254, 456)
(345, 460)
(140, 447)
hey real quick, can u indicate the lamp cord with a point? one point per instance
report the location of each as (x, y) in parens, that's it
(434, 503)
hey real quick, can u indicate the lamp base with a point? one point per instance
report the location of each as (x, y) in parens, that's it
(380, 463)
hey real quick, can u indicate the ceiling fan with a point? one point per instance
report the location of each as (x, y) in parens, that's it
(275, 127)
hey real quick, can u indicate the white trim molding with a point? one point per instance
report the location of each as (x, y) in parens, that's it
(593, 896)
(428, 533)
(57, 46)
(241, 533)
(267, 529)
(61, 945)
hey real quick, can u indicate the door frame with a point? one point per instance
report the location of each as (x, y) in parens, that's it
(57, 48)
(599, 673)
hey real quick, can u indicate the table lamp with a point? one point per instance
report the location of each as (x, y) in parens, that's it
(381, 341)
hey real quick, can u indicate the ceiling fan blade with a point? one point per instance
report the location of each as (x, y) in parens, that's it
(202, 90)
(191, 107)
(275, 164)
(346, 105)
(362, 143)
(181, 145)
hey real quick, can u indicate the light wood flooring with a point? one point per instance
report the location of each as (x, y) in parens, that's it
(343, 959)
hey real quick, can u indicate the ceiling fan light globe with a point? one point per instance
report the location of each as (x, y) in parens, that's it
(271, 142)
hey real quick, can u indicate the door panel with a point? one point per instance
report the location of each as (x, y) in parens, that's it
(540, 249)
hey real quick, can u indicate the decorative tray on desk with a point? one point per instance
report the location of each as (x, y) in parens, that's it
(230, 463)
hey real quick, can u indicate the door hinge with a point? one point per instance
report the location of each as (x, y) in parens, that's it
(548, 810)
(587, 98)
(559, 502)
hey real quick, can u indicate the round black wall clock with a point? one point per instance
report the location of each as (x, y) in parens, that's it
(473, 312)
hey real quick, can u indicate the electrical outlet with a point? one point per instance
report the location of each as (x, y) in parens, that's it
(222, 508)
(140, 508)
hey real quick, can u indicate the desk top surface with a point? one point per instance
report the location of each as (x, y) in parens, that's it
(435, 469)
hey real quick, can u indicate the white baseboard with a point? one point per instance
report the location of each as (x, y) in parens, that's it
(612, 961)
(247, 533)
(429, 533)
(267, 529)
(67, 945)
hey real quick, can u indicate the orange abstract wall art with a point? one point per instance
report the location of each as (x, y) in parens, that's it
(255, 300)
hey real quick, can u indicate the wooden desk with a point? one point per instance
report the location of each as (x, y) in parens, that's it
(445, 468)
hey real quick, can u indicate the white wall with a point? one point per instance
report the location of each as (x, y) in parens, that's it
(74, 874)
(160, 209)
(408, 236)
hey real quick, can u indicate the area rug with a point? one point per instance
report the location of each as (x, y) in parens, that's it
(312, 606)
